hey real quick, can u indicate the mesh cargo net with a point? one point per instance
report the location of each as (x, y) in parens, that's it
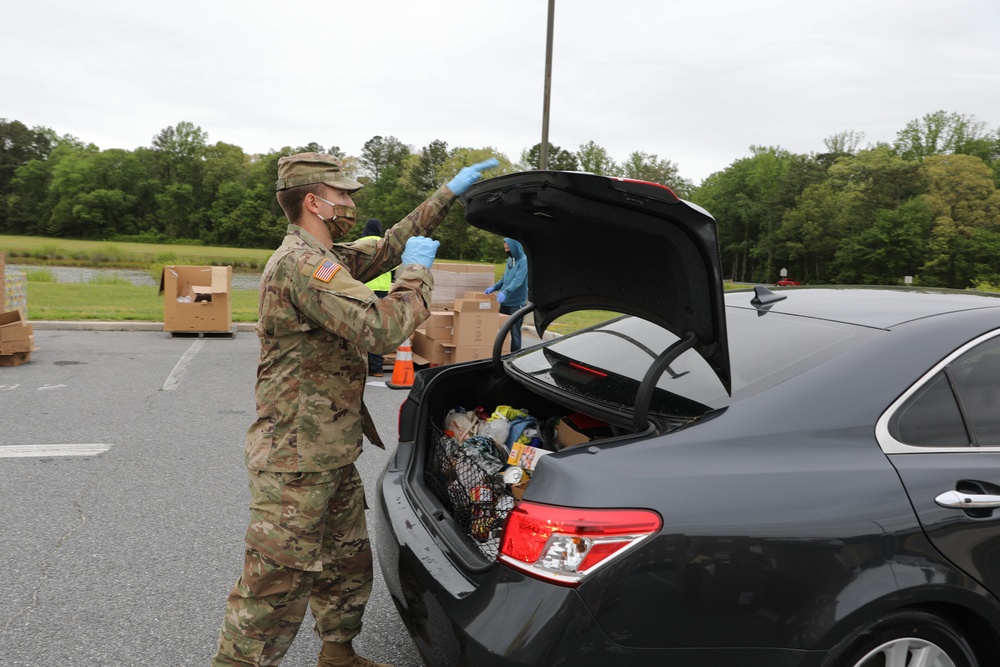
(466, 477)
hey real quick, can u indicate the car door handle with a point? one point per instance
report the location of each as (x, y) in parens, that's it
(967, 501)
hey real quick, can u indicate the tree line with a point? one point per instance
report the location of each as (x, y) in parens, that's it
(925, 205)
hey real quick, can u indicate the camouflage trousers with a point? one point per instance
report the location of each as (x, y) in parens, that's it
(307, 546)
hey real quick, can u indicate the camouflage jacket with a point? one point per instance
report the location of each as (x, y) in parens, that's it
(317, 321)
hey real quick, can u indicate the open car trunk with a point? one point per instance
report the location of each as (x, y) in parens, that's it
(459, 477)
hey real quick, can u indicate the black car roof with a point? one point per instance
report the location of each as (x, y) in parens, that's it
(878, 307)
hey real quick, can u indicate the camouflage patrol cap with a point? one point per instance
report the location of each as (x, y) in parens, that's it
(306, 168)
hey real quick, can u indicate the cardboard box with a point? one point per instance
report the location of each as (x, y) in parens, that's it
(577, 429)
(15, 359)
(430, 350)
(16, 333)
(458, 354)
(197, 298)
(439, 325)
(569, 436)
(476, 306)
(472, 328)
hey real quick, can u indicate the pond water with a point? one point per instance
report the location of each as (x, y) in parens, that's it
(73, 274)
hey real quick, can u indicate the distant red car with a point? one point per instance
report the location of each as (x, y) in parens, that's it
(784, 282)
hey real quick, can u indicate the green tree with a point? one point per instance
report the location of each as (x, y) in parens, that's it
(558, 158)
(890, 249)
(828, 228)
(844, 143)
(19, 145)
(749, 200)
(940, 132)
(78, 173)
(28, 203)
(965, 236)
(379, 154)
(596, 160)
(313, 147)
(422, 172)
(647, 167)
(242, 217)
(180, 150)
(459, 239)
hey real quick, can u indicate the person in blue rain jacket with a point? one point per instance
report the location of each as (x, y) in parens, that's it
(512, 289)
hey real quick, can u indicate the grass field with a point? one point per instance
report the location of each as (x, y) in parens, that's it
(101, 254)
(121, 302)
(113, 300)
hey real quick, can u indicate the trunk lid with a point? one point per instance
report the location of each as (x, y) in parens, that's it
(601, 243)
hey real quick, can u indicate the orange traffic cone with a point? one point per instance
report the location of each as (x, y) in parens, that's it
(402, 370)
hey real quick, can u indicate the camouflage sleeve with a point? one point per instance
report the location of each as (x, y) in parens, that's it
(370, 259)
(328, 296)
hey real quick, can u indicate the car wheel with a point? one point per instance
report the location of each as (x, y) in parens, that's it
(908, 638)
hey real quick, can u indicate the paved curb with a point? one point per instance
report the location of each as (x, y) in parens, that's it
(95, 325)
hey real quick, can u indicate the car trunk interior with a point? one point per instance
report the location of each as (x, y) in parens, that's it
(468, 499)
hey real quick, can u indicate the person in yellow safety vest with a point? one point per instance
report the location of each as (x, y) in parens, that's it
(380, 285)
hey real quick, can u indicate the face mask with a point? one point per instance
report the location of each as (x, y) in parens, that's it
(342, 220)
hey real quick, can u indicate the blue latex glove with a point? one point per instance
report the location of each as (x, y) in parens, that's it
(501, 297)
(420, 250)
(464, 179)
(489, 290)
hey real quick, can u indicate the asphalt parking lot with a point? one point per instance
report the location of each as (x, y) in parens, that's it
(125, 556)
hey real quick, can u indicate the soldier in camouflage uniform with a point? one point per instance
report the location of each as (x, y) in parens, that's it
(307, 543)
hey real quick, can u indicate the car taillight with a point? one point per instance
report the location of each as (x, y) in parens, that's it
(564, 545)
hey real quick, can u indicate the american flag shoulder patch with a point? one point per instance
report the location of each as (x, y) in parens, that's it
(326, 270)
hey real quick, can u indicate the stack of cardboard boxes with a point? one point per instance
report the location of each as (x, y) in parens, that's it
(17, 337)
(464, 322)
(452, 280)
(13, 288)
(464, 332)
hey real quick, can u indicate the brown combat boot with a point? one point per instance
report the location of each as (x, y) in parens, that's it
(343, 655)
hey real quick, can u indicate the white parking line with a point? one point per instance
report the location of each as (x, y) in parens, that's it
(175, 375)
(12, 451)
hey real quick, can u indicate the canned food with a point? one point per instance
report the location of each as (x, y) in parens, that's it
(513, 475)
(481, 494)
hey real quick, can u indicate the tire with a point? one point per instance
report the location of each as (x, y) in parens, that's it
(907, 638)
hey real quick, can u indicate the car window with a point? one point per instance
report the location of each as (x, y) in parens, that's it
(606, 363)
(959, 406)
(932, 417)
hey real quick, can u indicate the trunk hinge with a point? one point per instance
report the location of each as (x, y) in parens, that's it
(504, 330)
(645, 394)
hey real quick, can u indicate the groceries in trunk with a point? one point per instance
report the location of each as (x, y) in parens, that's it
(482, 461)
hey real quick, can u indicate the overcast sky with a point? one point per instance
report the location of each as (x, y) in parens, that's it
(696, 83)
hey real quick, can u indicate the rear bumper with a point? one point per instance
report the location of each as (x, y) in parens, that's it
(502, 618)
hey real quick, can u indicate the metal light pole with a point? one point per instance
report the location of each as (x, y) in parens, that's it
(543, 157)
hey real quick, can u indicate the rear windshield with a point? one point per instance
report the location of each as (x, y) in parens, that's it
(606, 363)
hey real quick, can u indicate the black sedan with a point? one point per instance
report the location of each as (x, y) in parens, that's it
(805, 477)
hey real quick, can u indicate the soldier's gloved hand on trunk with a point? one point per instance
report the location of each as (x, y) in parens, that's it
(420, 250)
(468, 175)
